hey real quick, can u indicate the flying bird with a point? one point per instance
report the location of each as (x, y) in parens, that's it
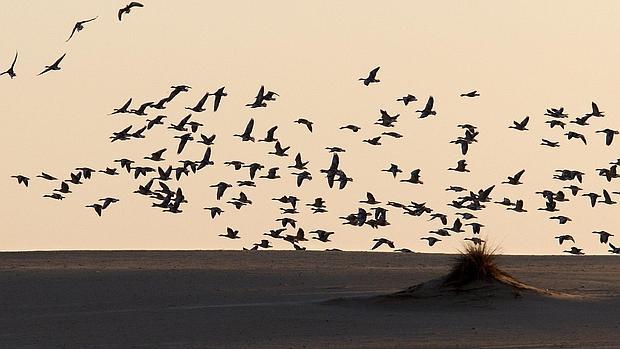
(407, 99)
(21, 179)
(372, 77)
(609, 135)
(79, 26)
(520, 126)
(247, 134)
(11, 70)
(473, 93)
(428, 108)
(54, 66)
(127, 9)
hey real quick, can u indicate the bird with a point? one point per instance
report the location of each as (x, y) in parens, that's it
(607, 198)
(461, 166)
(54, 66)
(371, 78)
(563, 238)
(520, 126)
(301, 176)
(572, 134)
(407, 99)
(353, 128)
(206, 140)
(581, 121)
(593, 197)
(431, 240)
(549, 143)
(514, 180)
(215, 211)
(109, 171)
(247, 133)
(392, 134)
(98, 208)
(263, 244)
(574, 250)
(271, 173)
(156, 121)
(381, 241)
(553, 123)
(21, 179)
(183, 139)
(306, 122)
(279, 151)
(11, 70)
(595, 111)
(54, 196)
(141, 111)
(475, 240)
(473, 93)
(475, 227)
(221, 188)
(199, 107)
(270, 135)
(218, 98)
(47, 176)
(609, 135)
(428, 108)
(613, 249)
(299, 164)
(561, 219)
(322, 235)
(176, 90)
(603, 236)
(414, 177)
(370, 199)
(373, 141)
(231, 233)
(79, 26)
(123, 109)
(518, 207)
(157, 156)
(394, 170)
(127, 9)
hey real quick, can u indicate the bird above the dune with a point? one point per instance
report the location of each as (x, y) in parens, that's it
(183, 139)
(392, 134)
(593, 198)
(353, 128)
(214, 211)
(407, 99)
(21, 179)
(79, 26)
(109, 171)
(123, 109)
(271, 173)
(218, 95)
(155, 121)
(549, 143)
(47, 176)
(520, 126)
(11, 71)
(176, 90)
(561, 219)
(609, 135)
(231, 233)
(156, 156)
(431, 240)
(553, 123)
(221, 188)
(247, 133)
(518, 207)
(475, 240)
(394, 170)
(460, 166)
(414, 177)
(607, 198)
(373, 141)
(270, 137)
(470, 94)
(141, 111)
(335, 149)
(595, 111)
(581, 121)
(322, 235)
(98, 208)
(199, 107)
(428, 108)
(603, 236)
(64, 188)
(54, 66)
(514, 180)
(573, 134)
(562, 238)
(556, 113)
(299, 163)
(574, 250)
(305, 122)
(370, 199)
(613, 249)
(371, 78)
(127, 9)
(301, 176)
(279, 151)
(259, 100)
(381, 241)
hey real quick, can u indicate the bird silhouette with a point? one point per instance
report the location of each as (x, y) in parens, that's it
(595, 111)
(563, 238)
(11, 70)
(221, 188)
(381, 241)
(394, 170)
(270, 135)
(514, 180)
(473, 93)
(218, 95)
(414, 177)
(247, 134)
(371, 78)
(431, 240)
(353, 128)
(609, 135)
(574, 250)
(199, 107)
(407, 99)
(461, 166)
(231, 234)
(21, 179)
(520, 126)
(54, 66)
(603, 236)
(549, 143)
(79, 26)
(305, 122)
(572, 134)
(127, 9)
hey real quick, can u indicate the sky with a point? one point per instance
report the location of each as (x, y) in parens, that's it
(522, 57)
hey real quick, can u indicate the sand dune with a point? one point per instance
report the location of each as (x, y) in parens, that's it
(286, 299)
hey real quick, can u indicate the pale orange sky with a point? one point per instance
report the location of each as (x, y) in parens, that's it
(521, 56)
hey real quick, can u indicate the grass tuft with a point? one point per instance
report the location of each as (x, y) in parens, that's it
(476, 263)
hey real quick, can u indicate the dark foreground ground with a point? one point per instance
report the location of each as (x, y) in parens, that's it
(222, 299)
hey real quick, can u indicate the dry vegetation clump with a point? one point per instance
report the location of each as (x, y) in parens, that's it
(477, 263)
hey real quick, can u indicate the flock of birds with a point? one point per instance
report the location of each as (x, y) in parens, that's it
(170, 199)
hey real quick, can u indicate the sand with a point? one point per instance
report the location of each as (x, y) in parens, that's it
(290, 299)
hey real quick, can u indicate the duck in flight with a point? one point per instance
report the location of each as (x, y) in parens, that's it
(306, 122)
(394, 170)
(609, 135)
(514, 180)
(428, 108)
(381, 241)
(574, 250)
(54, 66)
(520, 126)
(563, 238)
(603, 236)
(247, 134)
(371, 78)
(79, 26)
(199, 107)
(127, 9)
(21, 179)
(473, 93)
(231, 234)
(407, 99)
(11, 70)
(414, 177)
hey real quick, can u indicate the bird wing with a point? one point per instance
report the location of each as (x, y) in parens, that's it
(518, 175)
(14, 60)
(249, 127)
(429, 104)
(377, 244)
(373, 73)
(58, 60)
(88, 20)
(135, 4)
